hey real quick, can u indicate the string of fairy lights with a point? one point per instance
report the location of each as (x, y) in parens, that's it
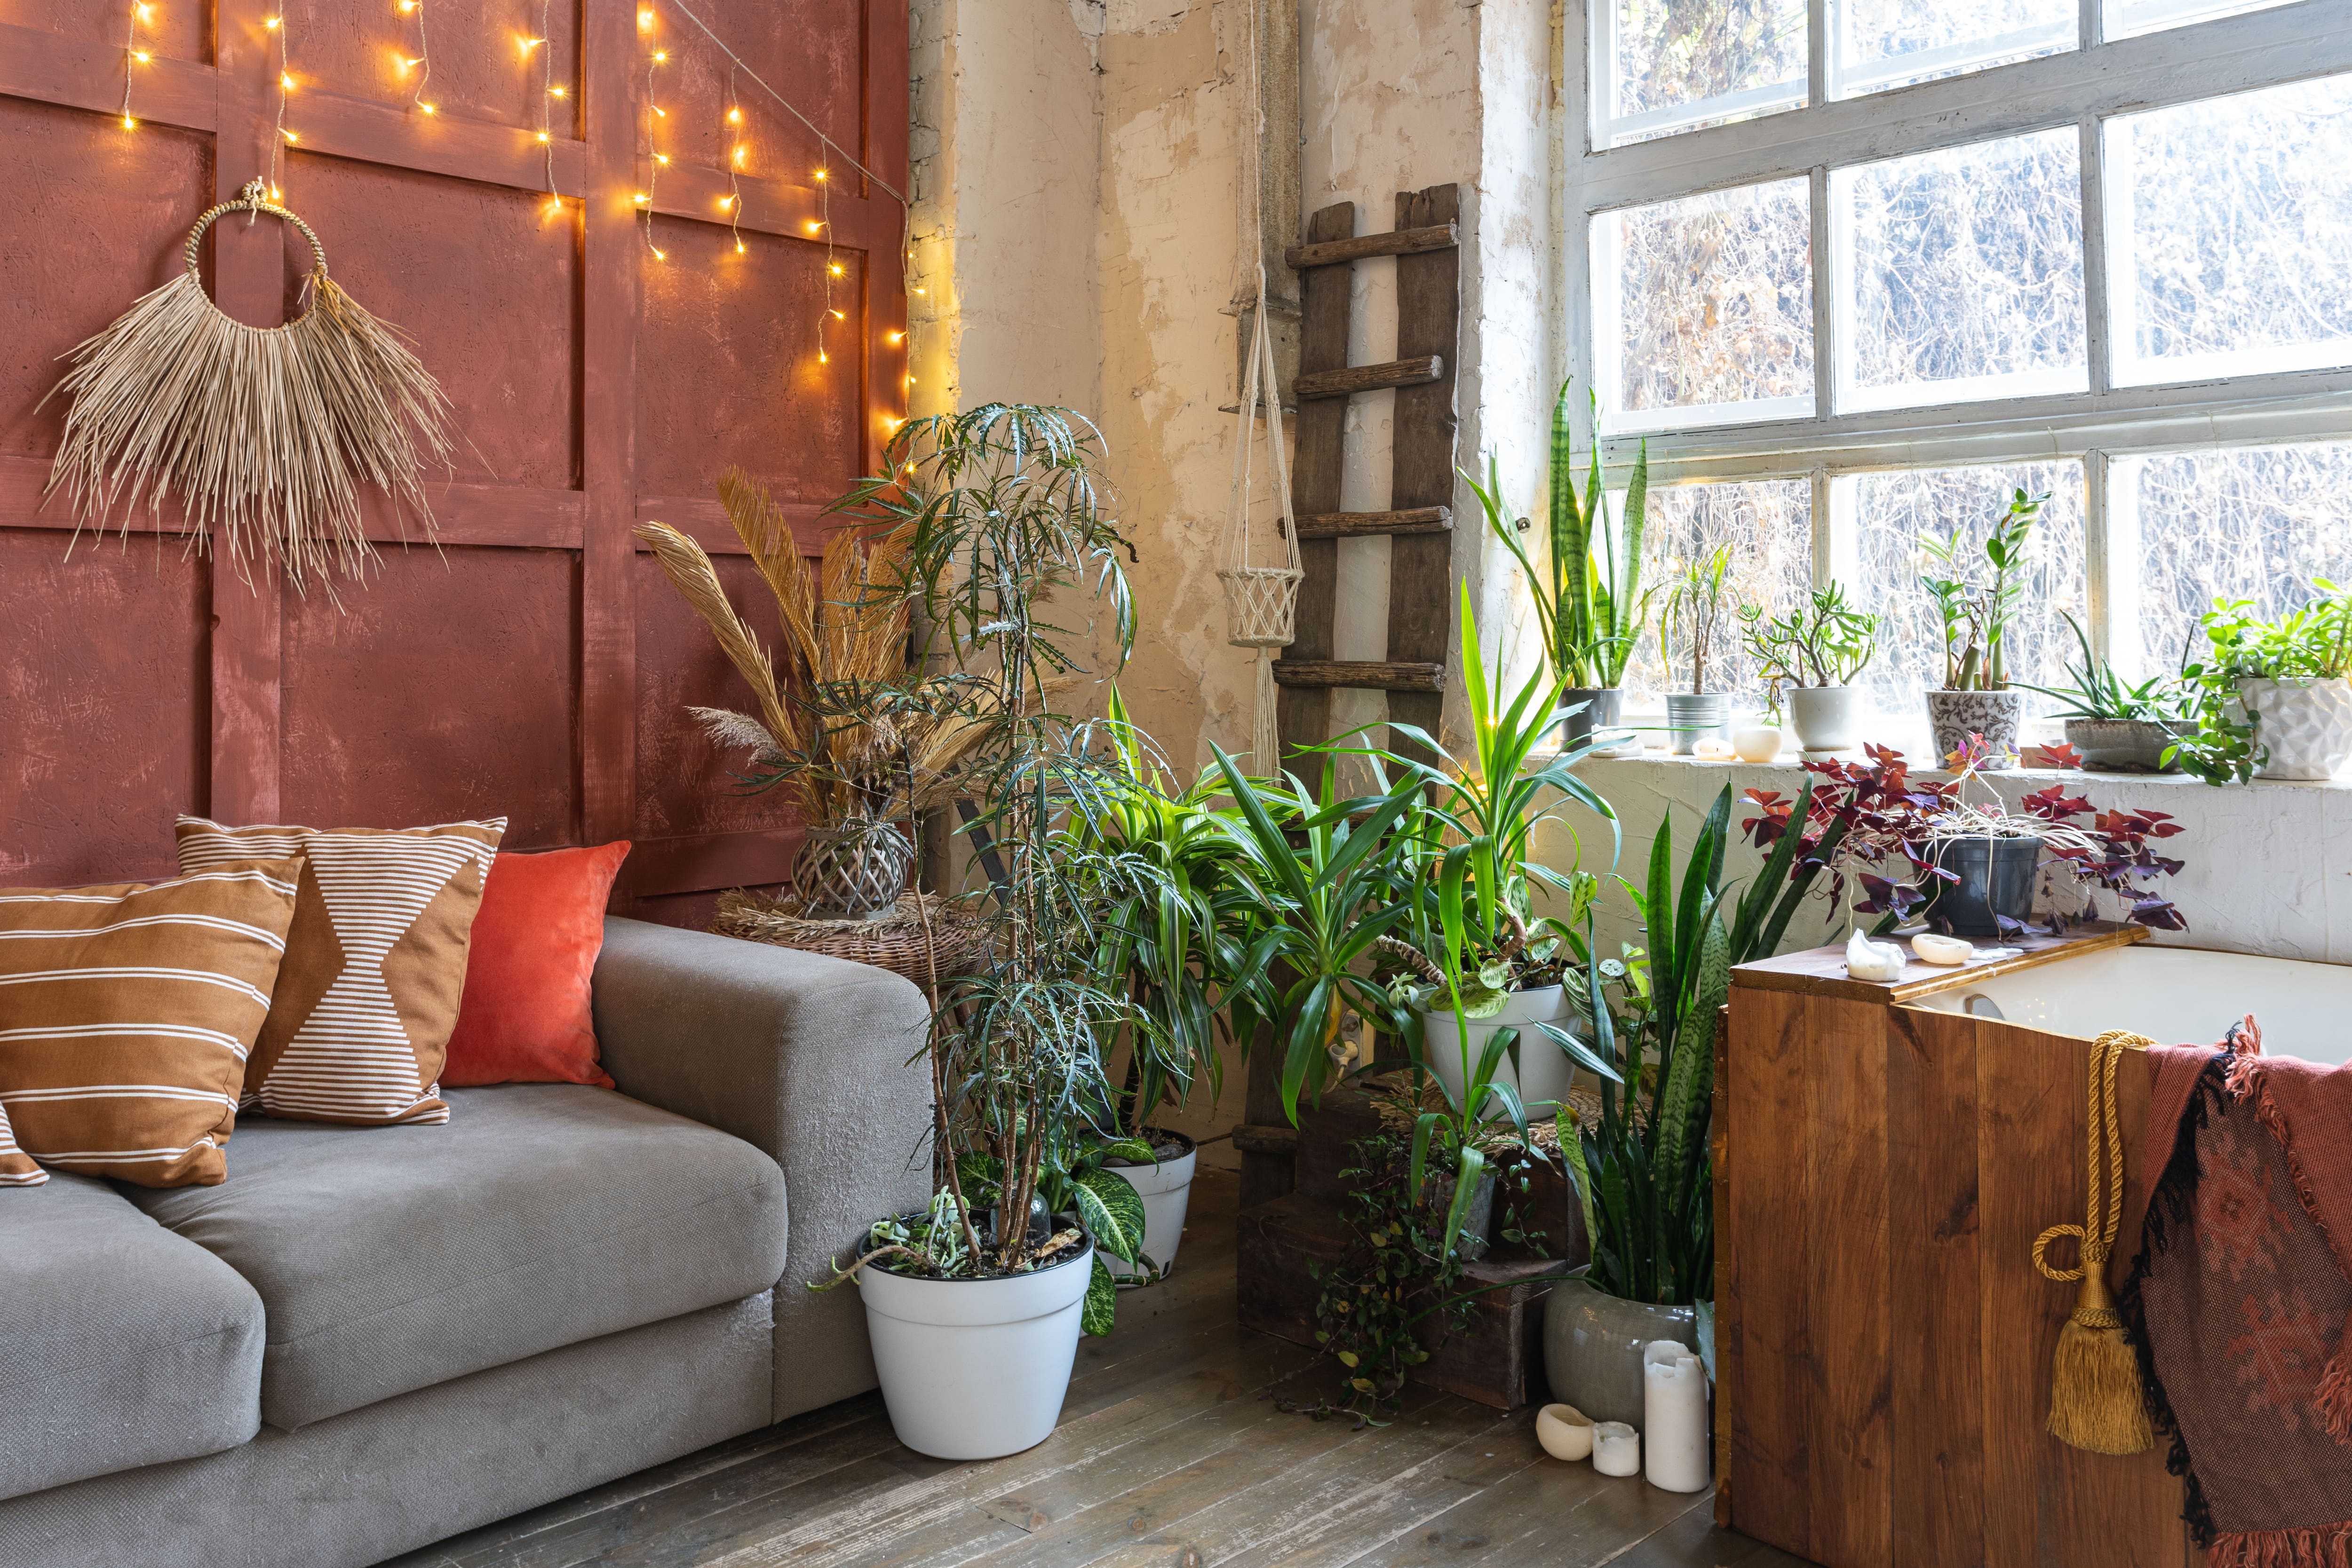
(416, 71)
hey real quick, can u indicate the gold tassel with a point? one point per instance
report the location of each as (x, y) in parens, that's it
(2095, 1400)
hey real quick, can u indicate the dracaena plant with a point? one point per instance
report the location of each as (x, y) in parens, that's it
(1587, 591)
(1977, 615)
(1691, 626)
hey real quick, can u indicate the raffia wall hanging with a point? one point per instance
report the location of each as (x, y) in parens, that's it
(266, 434)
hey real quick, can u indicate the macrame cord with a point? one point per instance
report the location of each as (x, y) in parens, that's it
(1261, 602)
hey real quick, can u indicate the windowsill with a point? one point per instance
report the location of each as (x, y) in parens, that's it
(1790, 762)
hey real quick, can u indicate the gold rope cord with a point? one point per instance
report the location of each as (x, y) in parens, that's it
(266, 434)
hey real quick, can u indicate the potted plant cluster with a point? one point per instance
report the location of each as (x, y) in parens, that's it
(1976, 618)
(2113, 727)
(974, 1304)
(1589, 595)
(1810, 656)
(2271, 698)
(1689, 628)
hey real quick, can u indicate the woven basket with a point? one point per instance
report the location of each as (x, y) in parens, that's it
(893, 942)
(1261, 605)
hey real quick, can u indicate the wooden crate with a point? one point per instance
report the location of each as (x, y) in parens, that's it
(1883, 1340)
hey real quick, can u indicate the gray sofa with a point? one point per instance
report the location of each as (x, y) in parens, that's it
(368, 1339)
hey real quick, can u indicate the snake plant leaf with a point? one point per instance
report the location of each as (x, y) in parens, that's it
(1101, 1308)
(1113, 1212)
(1682, 1119)
(1578, 1052)
(1572, 1144)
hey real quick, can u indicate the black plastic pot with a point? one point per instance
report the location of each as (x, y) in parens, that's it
(1996, 879)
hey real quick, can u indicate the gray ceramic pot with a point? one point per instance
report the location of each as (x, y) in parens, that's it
(2121, 745)
(1592, 1348)
(1690, 717)
(1956, 715)
(1602, 705)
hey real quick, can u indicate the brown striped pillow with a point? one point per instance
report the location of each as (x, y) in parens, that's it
(126, 1016)
(375, 964)
(18, 1168)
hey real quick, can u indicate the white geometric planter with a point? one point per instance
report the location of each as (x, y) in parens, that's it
(1544, 1070)
(975, 1369)
(2305, 725)
(1165, 1188)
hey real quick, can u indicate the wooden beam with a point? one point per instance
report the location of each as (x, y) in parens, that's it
(704, 520)
(1398, 242)
(1414, 372)
(1362, 674)
(50, 68)
(778, 207)
(1422, 458)
(1373, 525)
(400, 137)
(1304, 713)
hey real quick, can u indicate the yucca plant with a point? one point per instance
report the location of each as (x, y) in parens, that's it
(1588, 593)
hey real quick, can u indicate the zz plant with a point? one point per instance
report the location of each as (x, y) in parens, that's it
(1975, 617)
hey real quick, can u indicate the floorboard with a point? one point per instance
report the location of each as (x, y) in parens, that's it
(1171, 1453)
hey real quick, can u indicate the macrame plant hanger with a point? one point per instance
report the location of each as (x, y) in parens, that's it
(1261, 602)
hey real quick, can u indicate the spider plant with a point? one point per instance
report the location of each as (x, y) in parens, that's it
(1589, 595)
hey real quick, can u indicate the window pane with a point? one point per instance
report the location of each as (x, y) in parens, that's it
(1768, 525)
(1681, 64)
(1893, 513)
(2231, 224)
(1879, 44)
(2257, 523)
(1704, 308)
(2127, 17)
(1959, 273)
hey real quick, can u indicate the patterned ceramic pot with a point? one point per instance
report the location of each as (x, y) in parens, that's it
(2303, 728)
(1956, 715)
(1592, 1348)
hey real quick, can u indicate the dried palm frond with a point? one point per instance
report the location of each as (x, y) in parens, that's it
(266, 434)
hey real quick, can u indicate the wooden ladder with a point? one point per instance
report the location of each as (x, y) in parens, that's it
(1419, 520)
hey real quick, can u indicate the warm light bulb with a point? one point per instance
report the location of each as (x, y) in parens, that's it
(142, 55)
(741, 153)
(645, 21)
(407, 7)
(836, 315)
(812, 225)
(661, 157)
(146, 13)
(821, 358)
(555, 205)
(734, 117)
(291, 136)
(726, 202)
(426, 107)
(919, 291)
(738, 247)
(835, 269)
(659, 111)
(274, 193)
(555, 92)
(896, 337)
(526, 45)
(819, 173)
(661, 56)
(542, 136)
(660, 255)
(272, 23)
(129, 123)
(286, 80)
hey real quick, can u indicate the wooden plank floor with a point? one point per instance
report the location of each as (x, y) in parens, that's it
(1170, 1454)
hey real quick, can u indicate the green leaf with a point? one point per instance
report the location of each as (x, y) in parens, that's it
(1113, 1212)
(1136, 1149)
(1101, 1306)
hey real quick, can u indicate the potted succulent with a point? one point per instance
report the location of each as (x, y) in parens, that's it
(1589, 595)
(1816, 651)
(2272, 700)
(1693, 617)
(2116, 728)
(1976, 698)
(975, 1303)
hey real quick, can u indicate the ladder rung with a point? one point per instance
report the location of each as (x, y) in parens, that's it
(1368, 524)
(1411, 372)
(1399, 242)
(1361, 674)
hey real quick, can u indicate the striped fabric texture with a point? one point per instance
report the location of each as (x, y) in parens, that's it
(375, 964)
(127, 1013)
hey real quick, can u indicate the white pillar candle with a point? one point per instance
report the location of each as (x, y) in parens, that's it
(1616, 1449)
(1674, 1416)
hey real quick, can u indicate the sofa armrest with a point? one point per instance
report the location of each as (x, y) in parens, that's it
(807, 1058)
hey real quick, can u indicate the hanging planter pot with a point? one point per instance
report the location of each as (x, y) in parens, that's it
(2303, 728)
(1166, 1189)
(852, 870)
(976, 1369)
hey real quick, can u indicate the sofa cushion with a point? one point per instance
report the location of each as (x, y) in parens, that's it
(120, 1344)
(540, 1215)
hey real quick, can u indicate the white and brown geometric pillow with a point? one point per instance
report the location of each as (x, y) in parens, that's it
(375, 964)
(126, 1016)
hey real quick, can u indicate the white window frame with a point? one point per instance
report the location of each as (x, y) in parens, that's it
(2083, 87)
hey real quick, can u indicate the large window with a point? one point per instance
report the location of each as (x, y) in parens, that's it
(1855, 291)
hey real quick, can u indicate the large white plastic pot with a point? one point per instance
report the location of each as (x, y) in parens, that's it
(1165, 1188)
(975, 1369)
(1544, 1070)
(2304, 726)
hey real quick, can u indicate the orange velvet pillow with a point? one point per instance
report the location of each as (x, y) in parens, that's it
(525, 1017)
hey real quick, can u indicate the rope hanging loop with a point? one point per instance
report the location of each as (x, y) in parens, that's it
(2095, 1401)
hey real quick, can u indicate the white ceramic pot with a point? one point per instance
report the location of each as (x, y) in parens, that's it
(1164, 1188)
(1544, 1070)
(975, 1369)
(1826, 718)
(1756, 741)
(2306, 727)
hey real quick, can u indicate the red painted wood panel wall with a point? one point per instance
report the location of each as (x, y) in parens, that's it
(536, 665)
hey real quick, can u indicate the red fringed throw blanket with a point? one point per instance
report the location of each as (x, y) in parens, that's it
(2241, 1299)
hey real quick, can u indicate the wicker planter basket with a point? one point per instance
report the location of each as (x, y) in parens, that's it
(893, 942)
